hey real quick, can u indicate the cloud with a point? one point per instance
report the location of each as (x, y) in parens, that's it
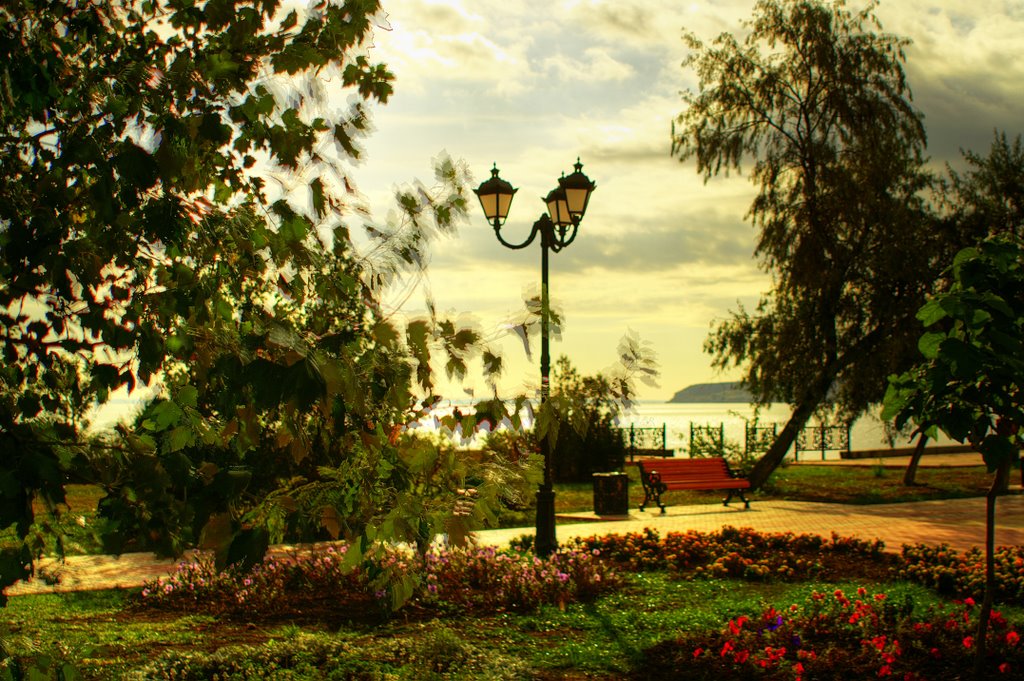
(597, 66)
(964, 68)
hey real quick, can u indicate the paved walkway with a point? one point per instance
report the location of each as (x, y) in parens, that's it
(959, 523)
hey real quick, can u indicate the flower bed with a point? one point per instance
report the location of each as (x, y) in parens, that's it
(484, 579)
(963, 574)
(742, 553)
(833, 634)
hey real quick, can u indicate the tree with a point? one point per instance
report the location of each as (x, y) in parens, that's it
(819, 103)
(176, 210)
(969, 383)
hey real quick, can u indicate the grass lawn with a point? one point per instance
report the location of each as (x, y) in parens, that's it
(106, 639)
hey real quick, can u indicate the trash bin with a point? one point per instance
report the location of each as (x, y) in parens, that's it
(611, 494)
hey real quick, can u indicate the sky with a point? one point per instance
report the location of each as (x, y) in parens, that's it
(532, 85)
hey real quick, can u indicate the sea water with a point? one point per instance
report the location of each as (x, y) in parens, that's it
(867, 432)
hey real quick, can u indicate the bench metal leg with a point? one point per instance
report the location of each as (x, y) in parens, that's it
(652, 493)
(739, 493)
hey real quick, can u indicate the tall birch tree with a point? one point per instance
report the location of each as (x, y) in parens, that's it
(814, 98)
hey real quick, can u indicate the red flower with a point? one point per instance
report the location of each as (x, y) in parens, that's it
(968, 641)
(726, 648)
(697, 653)
(737, 624)
(741, 656)
(1004, 668)
(1012, 638)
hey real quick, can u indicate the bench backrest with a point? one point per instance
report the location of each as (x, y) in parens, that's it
(714, 468)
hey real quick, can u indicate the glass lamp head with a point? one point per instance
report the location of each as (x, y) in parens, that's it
(495, 197)
(578, 188)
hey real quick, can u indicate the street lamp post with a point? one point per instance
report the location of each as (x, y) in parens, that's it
(557, 229)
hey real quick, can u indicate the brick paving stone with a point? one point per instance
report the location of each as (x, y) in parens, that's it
(960, 523)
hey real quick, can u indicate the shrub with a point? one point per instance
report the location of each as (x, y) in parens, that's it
(831, 635)
(585, 408)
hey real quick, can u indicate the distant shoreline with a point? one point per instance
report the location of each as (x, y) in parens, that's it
(721, 393)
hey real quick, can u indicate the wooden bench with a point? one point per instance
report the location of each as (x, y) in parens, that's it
(711, 473)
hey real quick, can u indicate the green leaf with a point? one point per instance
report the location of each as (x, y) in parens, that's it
(179, 438)
(188, 396)
(929, 344)
(216, 536)
(996, 450)
(316, 188)
(931, 312)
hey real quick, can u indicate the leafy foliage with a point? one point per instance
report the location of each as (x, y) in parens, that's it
(968, 384)
(586, 440)
(176, 211)
(989, 197)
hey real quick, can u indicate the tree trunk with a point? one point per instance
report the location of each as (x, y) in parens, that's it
(808, 402)
(998, 484)
(771, 459)
(911, 472)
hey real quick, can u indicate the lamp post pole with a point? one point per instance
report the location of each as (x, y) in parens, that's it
(557, 229)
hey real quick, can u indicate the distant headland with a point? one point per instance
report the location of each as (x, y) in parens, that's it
(713, 392)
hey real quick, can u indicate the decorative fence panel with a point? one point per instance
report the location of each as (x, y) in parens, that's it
(649, 441)
(759, 438)
(707, 440)
(822, 439)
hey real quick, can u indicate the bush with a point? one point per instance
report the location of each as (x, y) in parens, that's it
(587, 441)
